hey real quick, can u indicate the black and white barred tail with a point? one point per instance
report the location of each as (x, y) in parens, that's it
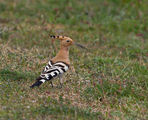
(51, 71)
(39, 82)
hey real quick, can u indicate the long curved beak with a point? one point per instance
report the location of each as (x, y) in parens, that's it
(81, 46)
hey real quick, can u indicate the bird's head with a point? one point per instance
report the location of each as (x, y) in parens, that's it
(67, 41)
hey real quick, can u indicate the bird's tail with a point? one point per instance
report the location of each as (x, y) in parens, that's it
(38, 83)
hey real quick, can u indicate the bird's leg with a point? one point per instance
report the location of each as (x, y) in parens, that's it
(60, 80)
(51, 84)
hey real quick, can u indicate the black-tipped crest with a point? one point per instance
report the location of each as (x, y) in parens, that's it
(52, 36)
(58, 37)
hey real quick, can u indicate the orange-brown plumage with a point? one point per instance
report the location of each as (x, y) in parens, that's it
(63, 54)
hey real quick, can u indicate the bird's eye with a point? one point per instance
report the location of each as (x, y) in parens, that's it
(68, 41)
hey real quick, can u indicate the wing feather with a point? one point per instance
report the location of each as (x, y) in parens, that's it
(50, 71)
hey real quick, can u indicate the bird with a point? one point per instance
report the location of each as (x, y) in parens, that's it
(58, 65)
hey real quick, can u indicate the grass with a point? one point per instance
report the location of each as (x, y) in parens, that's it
(111, 79)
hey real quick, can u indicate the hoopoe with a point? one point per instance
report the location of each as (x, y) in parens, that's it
(57, 65)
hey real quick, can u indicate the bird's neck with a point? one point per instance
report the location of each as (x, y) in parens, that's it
(62, 55)
(63, 52)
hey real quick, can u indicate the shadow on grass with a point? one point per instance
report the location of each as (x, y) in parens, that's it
(6, 74)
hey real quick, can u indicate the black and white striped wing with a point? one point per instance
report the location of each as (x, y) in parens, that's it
(47, 67)
(51, 71)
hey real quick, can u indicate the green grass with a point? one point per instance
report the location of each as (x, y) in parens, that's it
(111, 78)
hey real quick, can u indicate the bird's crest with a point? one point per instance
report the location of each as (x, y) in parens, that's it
(60, 37)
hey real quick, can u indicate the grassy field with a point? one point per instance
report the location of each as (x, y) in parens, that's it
(110, 80)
